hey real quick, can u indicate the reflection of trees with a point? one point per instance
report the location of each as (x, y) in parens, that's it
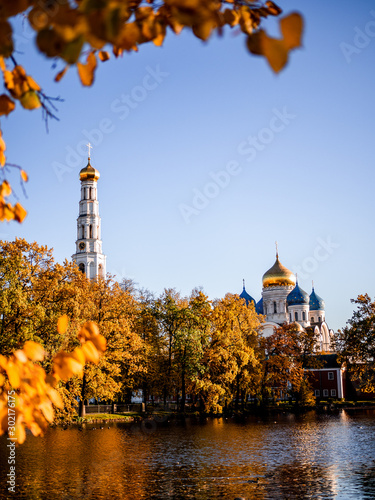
(298, 480)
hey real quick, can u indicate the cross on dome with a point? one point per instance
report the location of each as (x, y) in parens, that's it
(89, 147)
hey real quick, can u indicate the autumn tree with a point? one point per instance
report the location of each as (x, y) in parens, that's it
(79, 34)
(35, 292)
(286, 354)
(231, 356)
(355, 343)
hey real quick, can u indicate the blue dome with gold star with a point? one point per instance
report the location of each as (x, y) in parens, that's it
(297, 297)
(316, 302)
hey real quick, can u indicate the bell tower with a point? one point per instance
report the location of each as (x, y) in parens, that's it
(89, 257)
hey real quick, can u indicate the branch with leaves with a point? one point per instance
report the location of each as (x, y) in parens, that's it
(28, 394)
(80, 33)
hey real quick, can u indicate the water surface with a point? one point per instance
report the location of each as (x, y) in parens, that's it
(281, 457)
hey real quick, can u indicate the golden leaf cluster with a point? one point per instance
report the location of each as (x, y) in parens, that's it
(35, 393)
(7, 210)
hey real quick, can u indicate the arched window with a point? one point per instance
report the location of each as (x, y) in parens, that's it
(290, 316)
(274, 307)
(90, 193)
(319, 319)
(90, 230)
(312, 319)
(303, 315)
(81, 267)
(83, 231)
(296, 316)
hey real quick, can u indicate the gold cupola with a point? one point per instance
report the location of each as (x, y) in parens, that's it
(278, 275)
(89, 173)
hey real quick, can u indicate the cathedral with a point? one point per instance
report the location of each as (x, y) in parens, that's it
(284, 301)
(89, 256)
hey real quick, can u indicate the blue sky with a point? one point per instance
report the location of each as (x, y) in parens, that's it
(170, 216)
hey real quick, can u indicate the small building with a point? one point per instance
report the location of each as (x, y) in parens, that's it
(330, 380)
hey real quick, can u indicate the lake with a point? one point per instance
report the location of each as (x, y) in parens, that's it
(282, 456)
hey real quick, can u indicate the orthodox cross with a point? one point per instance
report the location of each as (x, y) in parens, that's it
(89, 148)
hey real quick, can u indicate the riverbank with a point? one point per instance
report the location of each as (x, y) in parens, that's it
(165, 415)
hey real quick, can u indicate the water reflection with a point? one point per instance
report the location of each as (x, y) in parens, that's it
(284, 457)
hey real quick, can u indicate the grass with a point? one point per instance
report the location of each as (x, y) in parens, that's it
(106, 416)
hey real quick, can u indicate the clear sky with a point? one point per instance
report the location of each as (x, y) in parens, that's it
(166, 123)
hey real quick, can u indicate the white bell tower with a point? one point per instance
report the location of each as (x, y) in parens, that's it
(89, 257)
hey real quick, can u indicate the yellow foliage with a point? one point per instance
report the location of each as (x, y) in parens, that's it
(28, 391)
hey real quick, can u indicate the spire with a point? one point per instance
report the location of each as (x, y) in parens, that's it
(296, 278)
(277, 250)
(243, 283)
(312, 285)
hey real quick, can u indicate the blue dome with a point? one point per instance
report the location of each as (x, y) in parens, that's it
(259, 306)
(316, 303)
(297, 297)
(246, 296)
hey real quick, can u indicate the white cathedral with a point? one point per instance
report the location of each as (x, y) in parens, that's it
(284, 301)
(89, 257)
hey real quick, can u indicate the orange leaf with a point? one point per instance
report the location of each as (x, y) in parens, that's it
(47, 410)
(6, 105)
(55, 398)
(90, 352)
(24, 176)
(5, 189)
(103, 55)
(86, 71)
(61, 73)
(62, 324)
(275, 52)
(19, 212)
(291, 28)
(20, 433)
(33, 351)
(13, 375)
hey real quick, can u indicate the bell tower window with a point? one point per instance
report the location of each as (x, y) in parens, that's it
(81, 267)
(90, 230)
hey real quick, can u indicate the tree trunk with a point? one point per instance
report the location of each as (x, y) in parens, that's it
(82, 409)
(183, 391)
(237, 393)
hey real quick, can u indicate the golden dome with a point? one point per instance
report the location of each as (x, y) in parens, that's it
(89, 173)
(278, 275)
